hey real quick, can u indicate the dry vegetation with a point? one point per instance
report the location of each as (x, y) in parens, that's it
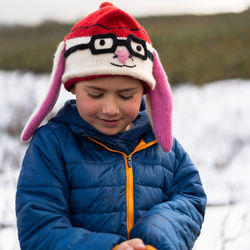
(196, 49)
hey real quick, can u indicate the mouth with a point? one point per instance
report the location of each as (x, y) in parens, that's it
(109, 123)
(123, 65)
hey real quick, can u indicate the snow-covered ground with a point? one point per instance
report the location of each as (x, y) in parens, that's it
(212, 123)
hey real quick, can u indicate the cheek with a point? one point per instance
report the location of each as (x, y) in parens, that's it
(132, 108)
(86, 106)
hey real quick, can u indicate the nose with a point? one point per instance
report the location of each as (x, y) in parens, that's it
(122, 55)
(110, 107)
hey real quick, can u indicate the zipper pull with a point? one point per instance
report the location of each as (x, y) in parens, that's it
(129, 161)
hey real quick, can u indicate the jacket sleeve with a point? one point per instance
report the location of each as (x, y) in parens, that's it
(176, 223)
(42, 202)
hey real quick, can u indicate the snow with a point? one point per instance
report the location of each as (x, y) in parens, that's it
(212, 122)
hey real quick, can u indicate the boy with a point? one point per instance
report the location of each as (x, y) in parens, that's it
(101, 174)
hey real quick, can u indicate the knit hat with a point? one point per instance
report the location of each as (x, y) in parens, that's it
(109, 42)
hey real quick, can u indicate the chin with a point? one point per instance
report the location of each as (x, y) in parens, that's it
(110, 132)
(113, 131)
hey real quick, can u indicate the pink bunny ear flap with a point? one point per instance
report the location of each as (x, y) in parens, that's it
(50, 99)
(159, 103)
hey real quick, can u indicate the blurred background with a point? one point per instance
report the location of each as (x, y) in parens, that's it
(205, 49)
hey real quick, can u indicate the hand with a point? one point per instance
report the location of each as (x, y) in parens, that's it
(134, 244)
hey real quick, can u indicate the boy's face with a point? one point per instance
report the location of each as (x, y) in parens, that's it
(109, 104)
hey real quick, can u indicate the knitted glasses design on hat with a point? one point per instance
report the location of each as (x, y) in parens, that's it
(108, 43)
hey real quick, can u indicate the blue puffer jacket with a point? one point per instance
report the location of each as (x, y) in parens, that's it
(79, 189)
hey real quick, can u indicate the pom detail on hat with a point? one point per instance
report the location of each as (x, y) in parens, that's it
(105, 4)
(108, 19)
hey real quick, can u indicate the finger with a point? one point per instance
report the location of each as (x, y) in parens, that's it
(137, 244)
(124, 246)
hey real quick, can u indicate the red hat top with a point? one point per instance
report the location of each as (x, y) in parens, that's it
(108, 19)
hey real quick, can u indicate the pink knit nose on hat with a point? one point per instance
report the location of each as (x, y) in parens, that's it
(110, 42)
(123, 56)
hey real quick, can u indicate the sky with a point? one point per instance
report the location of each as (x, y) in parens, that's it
(31, 12)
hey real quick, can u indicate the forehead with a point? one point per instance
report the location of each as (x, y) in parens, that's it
(113, 83)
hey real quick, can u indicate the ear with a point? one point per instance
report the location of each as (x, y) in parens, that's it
(159, 103)
(51, 97)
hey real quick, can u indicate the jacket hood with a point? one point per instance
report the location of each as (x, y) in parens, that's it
(124, 141)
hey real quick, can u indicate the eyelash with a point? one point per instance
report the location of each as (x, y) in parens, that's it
(126, 97)
(95, 96)
(100, 95)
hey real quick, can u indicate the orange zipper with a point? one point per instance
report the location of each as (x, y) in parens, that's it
(129, 179)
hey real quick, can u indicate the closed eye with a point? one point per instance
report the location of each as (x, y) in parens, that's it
(126, 97)
(95, 96)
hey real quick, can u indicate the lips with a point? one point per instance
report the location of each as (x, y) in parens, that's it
(110, 123)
